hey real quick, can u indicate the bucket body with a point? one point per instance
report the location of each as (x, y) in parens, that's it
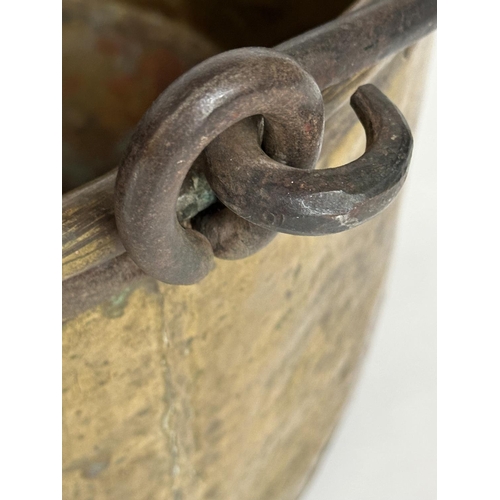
(230, 388)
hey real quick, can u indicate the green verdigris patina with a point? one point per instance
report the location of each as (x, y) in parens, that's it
(230, 388)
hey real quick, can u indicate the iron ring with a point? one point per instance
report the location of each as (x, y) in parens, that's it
(178, 126)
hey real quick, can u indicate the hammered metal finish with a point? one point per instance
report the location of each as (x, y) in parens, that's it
(194, 111)
(230, 388)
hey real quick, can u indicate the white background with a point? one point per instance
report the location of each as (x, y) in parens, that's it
(385, 446)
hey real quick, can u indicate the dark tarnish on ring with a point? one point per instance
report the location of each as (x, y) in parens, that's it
(315, 202)
(192, 112)
(256, 118)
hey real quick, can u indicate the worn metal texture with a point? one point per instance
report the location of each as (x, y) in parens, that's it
(225, 390)
(315, 202)
(230, 388)
(116, 59)
(181, 123)
(222, 91)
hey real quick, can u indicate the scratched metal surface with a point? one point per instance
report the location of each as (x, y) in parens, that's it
(229, 388)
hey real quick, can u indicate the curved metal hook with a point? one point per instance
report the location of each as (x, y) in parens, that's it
(178, 126)
(314, 202)
(265, 196)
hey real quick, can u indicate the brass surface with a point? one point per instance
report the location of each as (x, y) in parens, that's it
(231, 388)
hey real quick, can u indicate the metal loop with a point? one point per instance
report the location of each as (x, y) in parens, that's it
(209, 103)
(319, 201)
(192, 112)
